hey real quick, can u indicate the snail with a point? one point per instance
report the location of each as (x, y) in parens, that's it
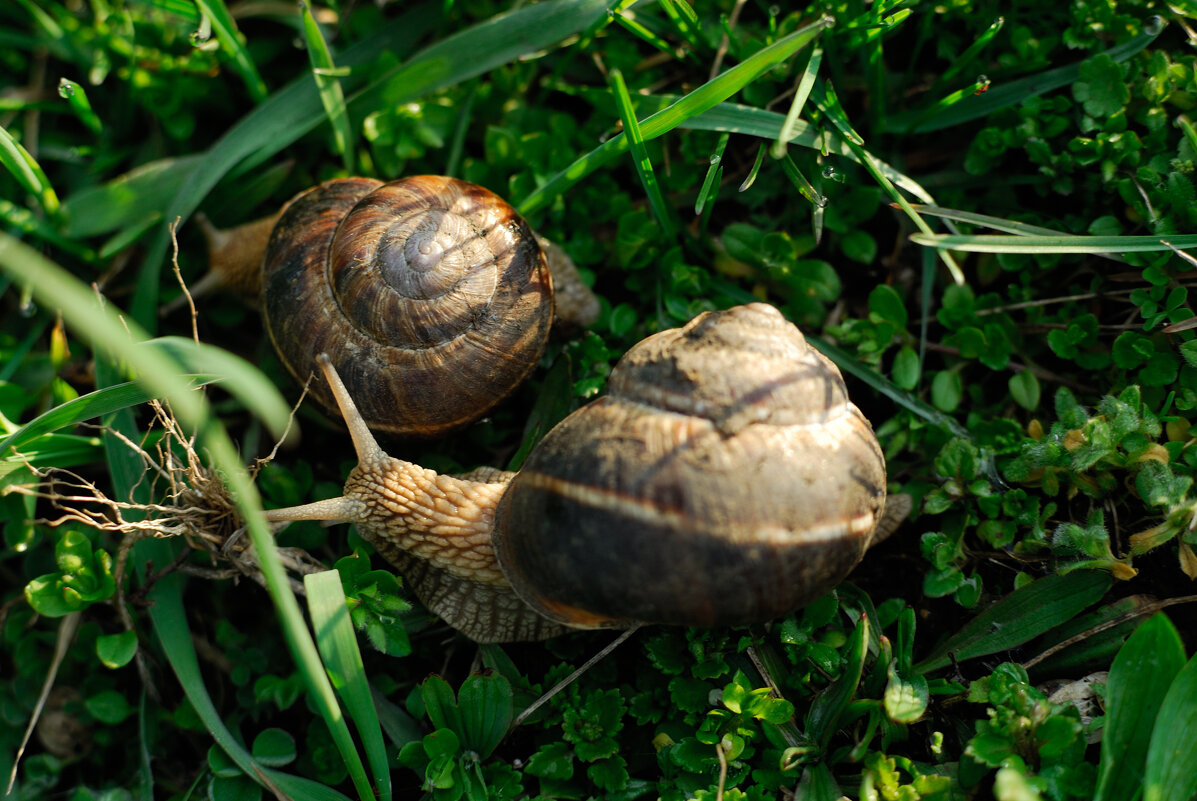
(724, 479)
(431, 295)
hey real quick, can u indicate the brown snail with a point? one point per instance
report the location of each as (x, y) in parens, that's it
(724, 479)
(431, 296)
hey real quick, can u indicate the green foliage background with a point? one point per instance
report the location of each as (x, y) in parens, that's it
(979, 210)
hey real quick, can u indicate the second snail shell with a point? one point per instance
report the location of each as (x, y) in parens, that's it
(430, 295)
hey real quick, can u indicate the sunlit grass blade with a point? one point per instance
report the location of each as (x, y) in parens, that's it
(750, 179)
(711, 182)
(1020, 617)
(331, 94)
(644, 167)
(233, 43)
(338, 646)
(1008, 94)
(85, 407)
(1169, 775)
(633, 26)
(701, 99)
(998, 243)
(970, 53)
(685, 21)
(801, 93)
(53, 450)
(1139, 677)
(116, 339)
(17, 160)
(802, 183)
(76, 98)
(978, 87)
(170, 626)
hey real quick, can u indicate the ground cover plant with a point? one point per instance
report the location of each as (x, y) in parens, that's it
(982, 212)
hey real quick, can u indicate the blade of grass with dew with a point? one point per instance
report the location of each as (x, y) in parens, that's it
(28, 173)
(1139, 677)
(750, 179)
(233, 44)
(338, 646)
(292, 112)
(331, 94)
(735, 118)
(76, 98)
(995, 243)
(970, 53)
(1020, 617)
(801, 93)
(640, 159)
(676, 114)
(1008, 94)
(169, 619)
(109, 335)
(710, 183)
(1169, 774)
(978, 87)
(85, 407)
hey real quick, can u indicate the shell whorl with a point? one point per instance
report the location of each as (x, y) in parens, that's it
(430, 295)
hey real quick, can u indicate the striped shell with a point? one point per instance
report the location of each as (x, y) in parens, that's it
(725, 479)
(430, 295)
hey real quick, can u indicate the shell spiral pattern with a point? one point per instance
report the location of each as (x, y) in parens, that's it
(430, 295)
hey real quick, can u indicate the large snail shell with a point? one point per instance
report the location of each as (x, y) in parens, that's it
(726, 479)
(430, 295)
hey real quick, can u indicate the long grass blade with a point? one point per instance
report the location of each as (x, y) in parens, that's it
(801, 93)
(997, 243)
(24, 167)
(233, 43)
(644, 167)
(676, 114)
(331, 94)
(338, 645)
(116, 340)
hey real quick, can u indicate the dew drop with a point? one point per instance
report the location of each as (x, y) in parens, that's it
(832, 174)
(1155, 25)
(716, 158)
(982, 85)
(27, 308)
(66, 88)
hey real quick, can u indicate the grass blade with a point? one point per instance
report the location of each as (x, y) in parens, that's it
(233, 43)
(805, 84)
(644, 167)
(1139, 677)
(116, 339)
(1169, 775)
(689, 106)
(17, 160)
(331, 94)
(1063, 243)
(710, 184)
(1021, 616)
(971, 52)
(1011, 93)
(338, 645)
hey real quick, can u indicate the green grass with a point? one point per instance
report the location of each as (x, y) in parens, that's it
(986, 222)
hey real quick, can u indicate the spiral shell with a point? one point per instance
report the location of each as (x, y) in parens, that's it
(725, 479)
(430, 295)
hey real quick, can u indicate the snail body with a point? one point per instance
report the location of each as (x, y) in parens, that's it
(431, 295)
(724, 479)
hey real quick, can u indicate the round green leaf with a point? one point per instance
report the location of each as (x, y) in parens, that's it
(108, 706)
(947, 390)
(274, 748)
(234, 788)
(905, 371)
(116, 650)
(1024, 388)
